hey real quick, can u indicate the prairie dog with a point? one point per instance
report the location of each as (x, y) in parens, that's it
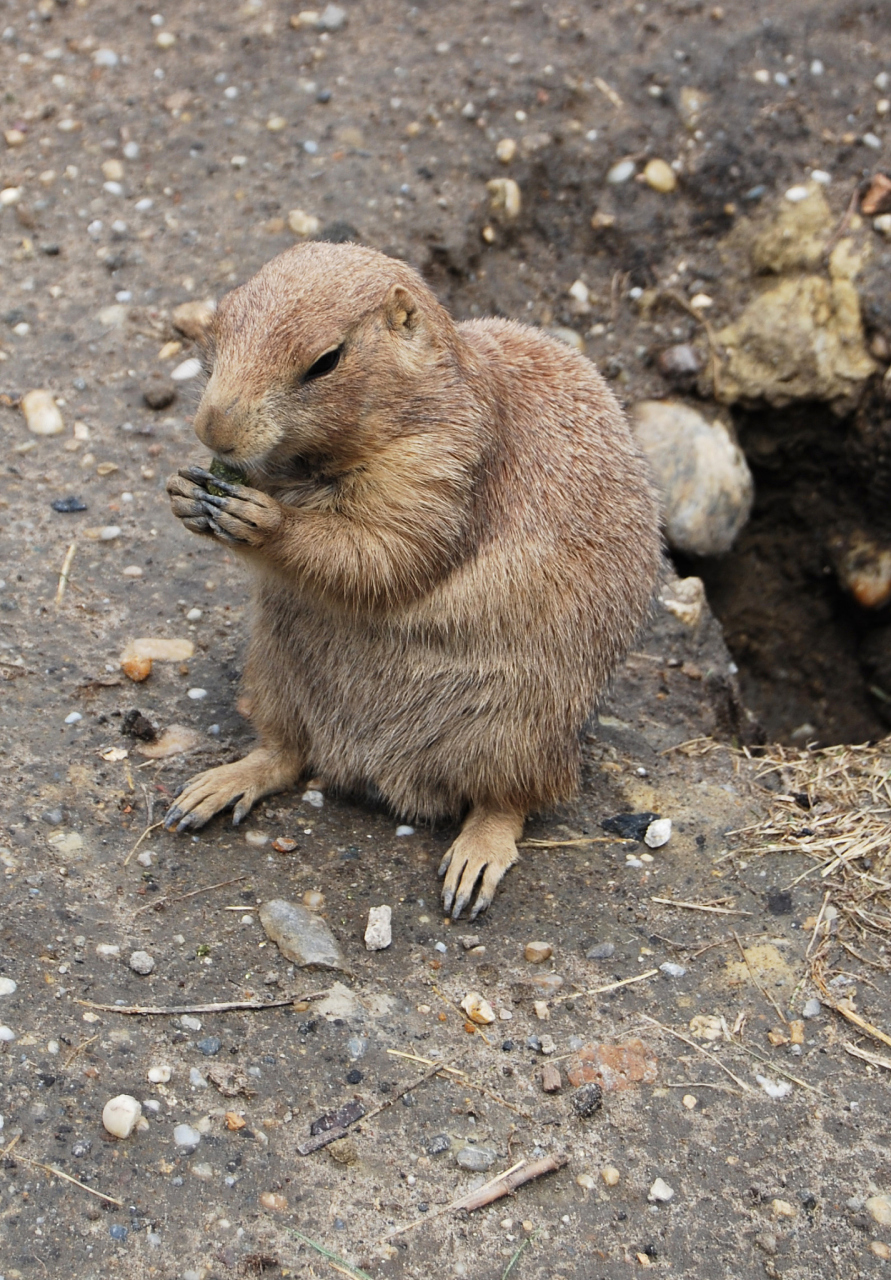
(453, 540)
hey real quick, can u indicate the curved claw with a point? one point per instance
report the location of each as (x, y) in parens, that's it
(482, 853)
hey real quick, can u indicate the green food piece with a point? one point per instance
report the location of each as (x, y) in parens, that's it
(219, 469)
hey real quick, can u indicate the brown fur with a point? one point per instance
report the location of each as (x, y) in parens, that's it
(454, 538)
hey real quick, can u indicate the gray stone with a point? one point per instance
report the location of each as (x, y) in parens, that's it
(812, 1008)
(301, 935)
(437, 1145)
(141, 962)
(210, 1046)
(601, 951)
(476, 1159)
(701, 473)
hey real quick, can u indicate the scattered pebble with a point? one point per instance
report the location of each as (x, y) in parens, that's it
(160, 1074)
(601, 951)
(585, 1181)
(210, 1046)
(476, 1159)
(550, 1078)
(660, 176)
(313, 798)
(783, 1209)
(69, 505)
(379, 932)
(439, 1144)
(184, 1135)
(537, 952)
(313, 899)
(192, 319)
(621, 172)
(879, 1209)
(120, 1115)
(197, 695)
(689, 1101)
(506, 150)
(672, 970)
(7, 986)
(6, 1034)
(629, 826)
(660, 1192)
(772, 1088)
(812, 1008)
(477, 1009)
(283, 844)
(273, 1201)
(256, 839)
(405, 831)
(107, 950)
(42, 416)
(196, 1079)
(300, 935)
(541, 1010)
(587, 1100)
(141, 962)
(190, 1023)
(658, 833)
(186, 369)
(304, 225)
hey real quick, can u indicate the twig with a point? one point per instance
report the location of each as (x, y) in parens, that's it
(609, 93)
(74, 1052)
(9, 1146)
(817, 925)
(610, 986)
(320, 1140)
(766, 994)
(449, 1208)
(844, 223)
(468, 1084)
(63, 576)
(780, 1071)
(566, 844)
(875, 1059)
(699, 1084)
(746, 1088)
(699, 906)
(57, 1173)
(339, 1264)
(170, 1010)
(508, 1182)
(855, 1018)
(152, 827)
(516, 1257)
(180, 897)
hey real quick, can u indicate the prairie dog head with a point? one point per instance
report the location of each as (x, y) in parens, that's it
(313, 361)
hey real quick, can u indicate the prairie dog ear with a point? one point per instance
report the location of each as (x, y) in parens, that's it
(401, 311)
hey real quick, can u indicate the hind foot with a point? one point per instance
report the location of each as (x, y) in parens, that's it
(485, 849)
(242, 784)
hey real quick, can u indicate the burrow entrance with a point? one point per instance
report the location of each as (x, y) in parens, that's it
(814, 664)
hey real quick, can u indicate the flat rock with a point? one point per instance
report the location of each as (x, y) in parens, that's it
(701, 473)
(476, 1159)
(613, 1066)
(301, 935)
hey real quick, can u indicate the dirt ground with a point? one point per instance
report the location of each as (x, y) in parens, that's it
(385, 128)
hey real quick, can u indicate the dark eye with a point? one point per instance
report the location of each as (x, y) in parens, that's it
(323, 365)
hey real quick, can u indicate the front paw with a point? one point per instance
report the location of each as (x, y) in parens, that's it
(238, 516)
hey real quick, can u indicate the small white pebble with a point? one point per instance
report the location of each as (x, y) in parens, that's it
(113, 188)
(120, 1115)
(143, 205)
(672, 970)
(772, 1088)
(762, 76)
(196, 1079)
(796, 194)
(187, 369)
(621, 172)
(821, 176)
(197, 694)
(6, 1034)
(194, 615)
(256, 839)
(660, 1192)
(817, 67)
(109, 532)
(379, 930)
(7, 986)
(141, 962)
(73, 717)
(872, 141)
(185, 1136)
(658, 833)
(314, 798)
(160, 1074)
(405, 831)
(190, 1023)
(238, 162)
(131, 150)
(146, 858)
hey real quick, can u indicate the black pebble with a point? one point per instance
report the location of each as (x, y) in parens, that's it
(587, 1100)
(630, 826)
(354, 1076)
(67, 505)
(436, 1146)
(507, 1045)
(137, 725)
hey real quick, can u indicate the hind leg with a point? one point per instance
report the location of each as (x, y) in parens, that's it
(262, 772)
(484, 851)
